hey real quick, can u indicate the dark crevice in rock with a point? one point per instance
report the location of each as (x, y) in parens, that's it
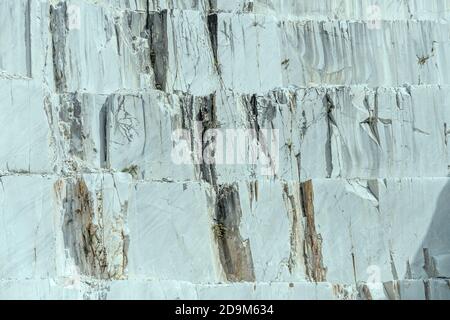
(28, 38)
(82, 237)
(71, 115)
(58, 29)
(329, 107)
(207, 117)
(87, 231)
(315, 269)
(234, 252)
(159, 52)
(295, 242)
(212, 28)
(104, 119)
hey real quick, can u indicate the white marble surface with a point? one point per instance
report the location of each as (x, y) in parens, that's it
(93, 205)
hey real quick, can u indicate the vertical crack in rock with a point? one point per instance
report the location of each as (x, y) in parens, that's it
(198, 116)
(252, 115)
(331, 122)
(296, 251)
(393, 267)
(207, 117)
(427, 288)
(28, 38)
(58, 29)
(55, 139)
(82, 231)
(212, 29)
(392, 290)
(72, 123)
(429, 266)
(159, 52)
(234, 252)
(315, 269)
(370, 125)
(87, 232)
(255, 119)
(104, 120)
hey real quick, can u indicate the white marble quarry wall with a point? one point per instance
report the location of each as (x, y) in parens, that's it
(96, 95)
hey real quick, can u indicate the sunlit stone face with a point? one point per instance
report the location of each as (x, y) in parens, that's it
(224, 149)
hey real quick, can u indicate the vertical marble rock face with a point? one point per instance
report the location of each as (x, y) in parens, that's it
(182, 56)
(28, 237)
(94, 224)
(16, 50)
(224, 149)
(25, 136)
(96, 49)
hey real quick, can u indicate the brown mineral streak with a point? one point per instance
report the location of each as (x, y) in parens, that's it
(83, 231)
(234, 252)
(312, 243)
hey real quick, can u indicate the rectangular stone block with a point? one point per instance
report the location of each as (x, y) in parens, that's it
(28, 229)
(15, 39)
(97, 50)
(181, 52)
(25, 136)
(438, 289)
(347, 10)
(37, 290)
(377, 237)
(248, 57)
(349, 132)
(94, 228)
(169, 241)
(396, 57)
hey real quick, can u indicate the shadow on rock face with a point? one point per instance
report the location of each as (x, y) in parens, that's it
(432, 259)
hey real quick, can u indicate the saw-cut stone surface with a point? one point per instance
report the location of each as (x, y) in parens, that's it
(108, 109)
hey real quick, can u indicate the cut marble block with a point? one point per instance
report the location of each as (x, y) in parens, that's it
(433, 289)
(348, 132)
(267, 291)
(152, 5)
(271, 226)
(408, 290)
(157, 5)
(378, 240)
(175, 290)
(169, 241)
(25, 132)
(133, 144)
(15, 51)
(384, 226)
(335, 52)
(257, 53)
(25, 43)
(345, 10)
(37, 290)
(151, 290)
(94, 226)
(118, 132)
(438, 289)
(181, 55)
(134, 5)
(97, 50)
(393, 290)
(263, 135)
(79, 127)
(248, 56)
(441, 264)
(28, 229)
(388, 132)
